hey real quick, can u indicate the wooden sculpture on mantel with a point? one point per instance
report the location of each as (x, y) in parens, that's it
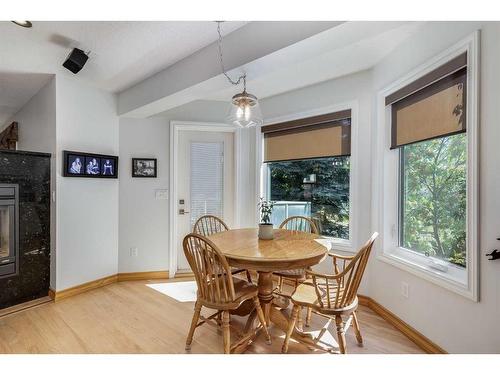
(9, 137)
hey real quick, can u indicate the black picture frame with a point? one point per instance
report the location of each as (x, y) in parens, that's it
(143, 174)
(80, 168)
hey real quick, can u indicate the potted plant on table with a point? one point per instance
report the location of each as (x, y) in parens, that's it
(266, 231)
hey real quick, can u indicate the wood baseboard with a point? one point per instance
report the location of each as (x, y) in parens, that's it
(150, 275)
(73, 291)
(184, 275)
(126, 276)
(423, 342)
(24, 306)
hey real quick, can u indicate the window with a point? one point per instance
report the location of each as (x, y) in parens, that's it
(317, 188)
(426, 185)
(433, 198)
(308, 171)
(428, 127)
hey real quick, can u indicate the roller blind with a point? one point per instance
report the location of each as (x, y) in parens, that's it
(207, 179)
(434, 110)
(312, 137)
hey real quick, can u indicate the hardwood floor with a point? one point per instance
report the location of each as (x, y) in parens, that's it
(129, 317)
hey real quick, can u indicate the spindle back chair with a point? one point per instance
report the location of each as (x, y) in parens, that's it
(217, 288)
(334, 295)
(300, 223)
(207, 225)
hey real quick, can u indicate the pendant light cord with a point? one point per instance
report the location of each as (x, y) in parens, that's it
(240, 78)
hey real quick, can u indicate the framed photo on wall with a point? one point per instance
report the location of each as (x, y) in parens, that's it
(82, 164)
(144, 167)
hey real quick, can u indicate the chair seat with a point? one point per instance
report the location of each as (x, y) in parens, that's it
(305, 295)
(243, 291)
(299, 273)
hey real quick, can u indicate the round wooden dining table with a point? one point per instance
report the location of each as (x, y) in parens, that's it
(288, 250)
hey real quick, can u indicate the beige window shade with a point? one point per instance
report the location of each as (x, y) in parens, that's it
(314, 137)
(434, 111)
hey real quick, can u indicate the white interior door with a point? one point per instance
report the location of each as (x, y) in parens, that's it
(205, 172)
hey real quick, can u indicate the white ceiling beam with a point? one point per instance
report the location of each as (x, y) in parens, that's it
(200, 73)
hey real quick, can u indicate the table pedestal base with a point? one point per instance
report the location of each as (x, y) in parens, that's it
(272, 313)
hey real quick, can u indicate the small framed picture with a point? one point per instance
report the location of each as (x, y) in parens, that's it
(92, 166)
(75, 164)
(144, 167)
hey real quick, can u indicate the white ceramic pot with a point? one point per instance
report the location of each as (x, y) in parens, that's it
(266, 231)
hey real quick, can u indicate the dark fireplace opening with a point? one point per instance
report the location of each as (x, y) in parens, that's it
(9, 237)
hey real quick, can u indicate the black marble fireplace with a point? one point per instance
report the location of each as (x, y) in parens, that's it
(24, 226)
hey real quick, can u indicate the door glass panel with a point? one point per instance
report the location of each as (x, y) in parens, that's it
(207, 179)
(4, 232)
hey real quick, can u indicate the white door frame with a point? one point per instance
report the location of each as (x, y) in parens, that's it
(175, 128)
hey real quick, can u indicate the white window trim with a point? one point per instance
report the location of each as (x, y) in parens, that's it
(386, 180)
(261, 172)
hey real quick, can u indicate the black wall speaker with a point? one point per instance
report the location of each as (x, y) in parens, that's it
(76, 60)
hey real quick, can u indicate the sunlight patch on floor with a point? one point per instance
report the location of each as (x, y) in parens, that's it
(183, 291)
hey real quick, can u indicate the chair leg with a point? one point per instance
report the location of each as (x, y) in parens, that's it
(280, 284)
(299, 318)
(194, 322)
(226, 332)
(262, 318)
(357, 331)
(308, 316)
(218, 319)
(300, 325)
(249, 277)
(340, 333)
(291, 326)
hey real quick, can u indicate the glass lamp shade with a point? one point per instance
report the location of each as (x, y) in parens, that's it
(244, 111)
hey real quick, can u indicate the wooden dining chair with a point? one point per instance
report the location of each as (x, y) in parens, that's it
(217, 288)
(333, 296)
(295, 276)
(209, 224)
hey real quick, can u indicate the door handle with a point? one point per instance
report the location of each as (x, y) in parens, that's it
(182, 212)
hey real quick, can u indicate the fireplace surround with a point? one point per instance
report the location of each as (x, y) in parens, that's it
(25, 222)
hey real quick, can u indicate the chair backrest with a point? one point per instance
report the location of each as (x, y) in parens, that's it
(299, 223)
(210, 268)
(340, 290)
(208, 224)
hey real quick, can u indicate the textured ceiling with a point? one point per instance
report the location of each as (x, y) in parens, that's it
(122, 53)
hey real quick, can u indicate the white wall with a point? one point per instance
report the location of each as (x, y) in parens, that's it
(37, 132)
(143, 219)
(87, 209)
(455, 323)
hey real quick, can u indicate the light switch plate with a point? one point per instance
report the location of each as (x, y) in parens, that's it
(161, 194)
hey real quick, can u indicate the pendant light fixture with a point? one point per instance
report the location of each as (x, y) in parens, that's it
(244, 109)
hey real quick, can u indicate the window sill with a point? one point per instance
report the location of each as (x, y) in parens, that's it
(425, 272)
(337, 244)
